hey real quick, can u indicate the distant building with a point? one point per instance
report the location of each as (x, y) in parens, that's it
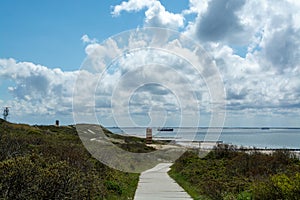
(57, 123)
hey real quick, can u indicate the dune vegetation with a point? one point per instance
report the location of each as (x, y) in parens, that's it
(49, 162)
(228, 173)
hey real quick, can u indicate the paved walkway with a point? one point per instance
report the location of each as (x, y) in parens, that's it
(156, 184)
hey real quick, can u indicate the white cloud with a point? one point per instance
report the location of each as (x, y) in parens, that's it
(132, 5)
(155, 14)
(250, 86)
(265, 81)
(196, 6)
(98, 55)
(268, 31)
(145, 72)
(220, 21)
(37, 89)
(86, 39)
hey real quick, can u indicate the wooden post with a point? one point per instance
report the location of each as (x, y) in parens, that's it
(148, 135)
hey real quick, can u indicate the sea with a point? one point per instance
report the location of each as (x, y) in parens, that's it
(258, 137)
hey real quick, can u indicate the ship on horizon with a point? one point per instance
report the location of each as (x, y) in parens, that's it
(165, 129)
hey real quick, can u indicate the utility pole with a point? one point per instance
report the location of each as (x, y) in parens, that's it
(5, 113)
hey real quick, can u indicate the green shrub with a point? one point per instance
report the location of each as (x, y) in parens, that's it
(113, 186)
(48, 162)
(278, 186)
(229, 173)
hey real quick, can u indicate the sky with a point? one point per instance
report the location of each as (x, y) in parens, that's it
(51, 67)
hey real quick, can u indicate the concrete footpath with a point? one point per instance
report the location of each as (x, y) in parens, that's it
(156, 184)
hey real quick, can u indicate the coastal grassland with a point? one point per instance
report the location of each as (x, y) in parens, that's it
(49, 162)
(228, 173)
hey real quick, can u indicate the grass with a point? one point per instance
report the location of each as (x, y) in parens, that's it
(193, 192)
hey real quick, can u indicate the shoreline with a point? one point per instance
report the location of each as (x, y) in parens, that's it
(207, 144)
(271, 138)
(209, 147)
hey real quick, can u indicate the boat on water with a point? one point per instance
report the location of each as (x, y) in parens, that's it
(165, 129)
(265, 128)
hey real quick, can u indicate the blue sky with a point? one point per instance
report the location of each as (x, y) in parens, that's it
(49, 32)
(255, 45)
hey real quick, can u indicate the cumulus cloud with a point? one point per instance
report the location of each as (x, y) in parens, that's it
(282, 49)
(252, 87)
(155, 14)
(264, 80)
(46, 91)
(133, 5)
(86, 39)
(261, 80)
(220, 21)
(196, 6)
(140, 72)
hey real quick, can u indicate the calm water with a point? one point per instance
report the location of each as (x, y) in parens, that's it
(257, 137)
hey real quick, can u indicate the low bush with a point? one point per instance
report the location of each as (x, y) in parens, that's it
(48, 162)
(229, 173)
